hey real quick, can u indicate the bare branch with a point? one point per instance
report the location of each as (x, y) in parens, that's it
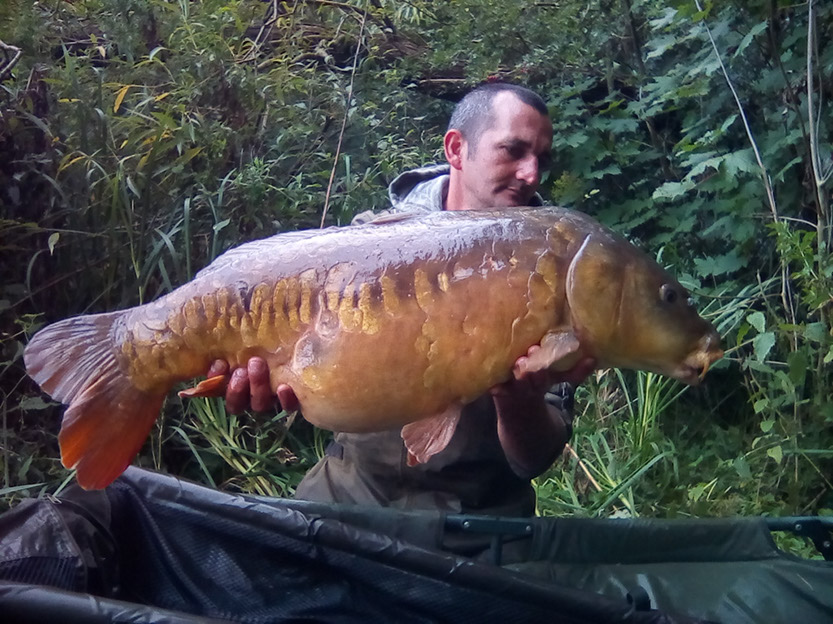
(12, 54)
(819, 177)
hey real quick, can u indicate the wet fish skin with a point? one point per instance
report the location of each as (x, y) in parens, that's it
(373, 326)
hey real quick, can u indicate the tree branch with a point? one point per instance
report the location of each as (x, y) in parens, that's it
(10, 61)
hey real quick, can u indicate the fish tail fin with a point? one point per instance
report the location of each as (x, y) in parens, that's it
(108, 418)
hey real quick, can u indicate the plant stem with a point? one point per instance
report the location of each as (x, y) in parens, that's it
(764, 173)
(344, 121)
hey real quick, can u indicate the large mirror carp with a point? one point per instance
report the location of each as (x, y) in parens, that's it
(374, 326)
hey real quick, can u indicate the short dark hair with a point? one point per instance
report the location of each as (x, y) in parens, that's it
(473, 114)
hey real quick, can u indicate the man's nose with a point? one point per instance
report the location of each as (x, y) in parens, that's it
(528, 171)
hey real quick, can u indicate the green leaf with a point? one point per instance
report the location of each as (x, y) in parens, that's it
(120, 97)
(33, 403)
(757, 29)
(758, 321)
(155, 51)
(729, 121)
(742, 468)
(660, 45)
(760, 405)
(798, 365)
(766, 425)
(744, 329)
(763, 343)
(709, 163)
(758, 366)
(719, 265)
(53, 240)
(741, 161)
(816, 332)
(776, 453)
(672, 190)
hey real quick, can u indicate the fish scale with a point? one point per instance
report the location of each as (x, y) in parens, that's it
(394, 324)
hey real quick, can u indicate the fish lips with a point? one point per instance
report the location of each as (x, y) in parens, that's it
(692, 370)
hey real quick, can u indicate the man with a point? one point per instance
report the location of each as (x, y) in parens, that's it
(497, 144)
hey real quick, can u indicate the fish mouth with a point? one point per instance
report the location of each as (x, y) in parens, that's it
(695, 366)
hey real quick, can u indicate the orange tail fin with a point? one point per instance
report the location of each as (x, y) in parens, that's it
(108, 418)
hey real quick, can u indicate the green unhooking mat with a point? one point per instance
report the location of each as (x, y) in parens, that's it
(151, 548)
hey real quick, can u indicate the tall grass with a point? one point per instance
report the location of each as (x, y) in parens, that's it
(149, 138)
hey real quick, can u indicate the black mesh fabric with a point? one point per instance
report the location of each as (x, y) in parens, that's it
(155, 543)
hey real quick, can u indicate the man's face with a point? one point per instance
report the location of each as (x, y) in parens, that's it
(504, 168)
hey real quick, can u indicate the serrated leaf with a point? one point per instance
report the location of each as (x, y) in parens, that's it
(758, 321)
(718, 265)
(741, 161)
(609, 170)
(660, 45)
(757, 29)
(762, 344)
(671, 190)
(575, 139)
(776, 453)
(667, 18)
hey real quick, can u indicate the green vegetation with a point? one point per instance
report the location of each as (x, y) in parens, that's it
(139, 139)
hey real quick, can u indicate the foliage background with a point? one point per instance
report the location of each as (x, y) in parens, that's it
(140, 139)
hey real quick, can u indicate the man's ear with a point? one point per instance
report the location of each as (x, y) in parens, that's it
(455, 147)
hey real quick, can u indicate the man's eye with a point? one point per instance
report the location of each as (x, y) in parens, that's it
(514, 151)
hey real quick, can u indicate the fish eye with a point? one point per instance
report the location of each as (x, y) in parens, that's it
(667, 293)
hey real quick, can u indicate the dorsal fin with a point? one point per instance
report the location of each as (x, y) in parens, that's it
(393, 217)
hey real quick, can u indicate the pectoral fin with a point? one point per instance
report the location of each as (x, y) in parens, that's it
(211, 387)
(427, 437)
(559, 350)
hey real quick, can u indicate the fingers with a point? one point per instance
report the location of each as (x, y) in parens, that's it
(287, 398)
(218, 367)
(262, 398)
(249, 387)
(542, 380)
(237, 393)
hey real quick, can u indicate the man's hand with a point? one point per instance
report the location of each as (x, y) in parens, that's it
(249, 388)
(532, 432)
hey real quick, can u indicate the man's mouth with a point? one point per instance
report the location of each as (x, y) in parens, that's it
(517, 196)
